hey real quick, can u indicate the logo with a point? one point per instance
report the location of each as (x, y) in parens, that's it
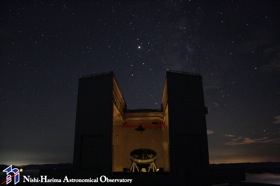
(11, 173)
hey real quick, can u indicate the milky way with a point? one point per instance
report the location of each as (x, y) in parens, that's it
(46, 46)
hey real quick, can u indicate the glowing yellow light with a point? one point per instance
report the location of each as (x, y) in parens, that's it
(20, 170)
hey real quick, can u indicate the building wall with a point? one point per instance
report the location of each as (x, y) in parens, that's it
(165, 142)
(187, 123)
(127, 139)
(119, 146)
(94, 117)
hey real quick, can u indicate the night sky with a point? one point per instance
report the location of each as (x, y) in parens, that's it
(46, 46)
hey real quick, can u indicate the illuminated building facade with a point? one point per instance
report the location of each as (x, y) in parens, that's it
(106, 131)
(166, 146)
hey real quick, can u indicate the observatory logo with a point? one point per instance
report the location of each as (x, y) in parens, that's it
(11, 173)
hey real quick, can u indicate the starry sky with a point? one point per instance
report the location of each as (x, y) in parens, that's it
(46, 46)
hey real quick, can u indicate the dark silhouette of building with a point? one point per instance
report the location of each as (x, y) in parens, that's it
(107, 132)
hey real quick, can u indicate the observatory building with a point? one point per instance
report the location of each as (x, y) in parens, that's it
(166, 146)
(111, 138)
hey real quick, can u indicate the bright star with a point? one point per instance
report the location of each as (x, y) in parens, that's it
(139, 47)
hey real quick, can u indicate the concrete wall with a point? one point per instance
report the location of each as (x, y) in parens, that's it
(119, 145)
(94, 118)
(187, 124)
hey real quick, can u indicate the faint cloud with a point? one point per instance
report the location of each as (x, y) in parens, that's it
(246, 140)
(229, 135)
(265, 50)
(210, 132)
(277, 119)
(274, 53)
